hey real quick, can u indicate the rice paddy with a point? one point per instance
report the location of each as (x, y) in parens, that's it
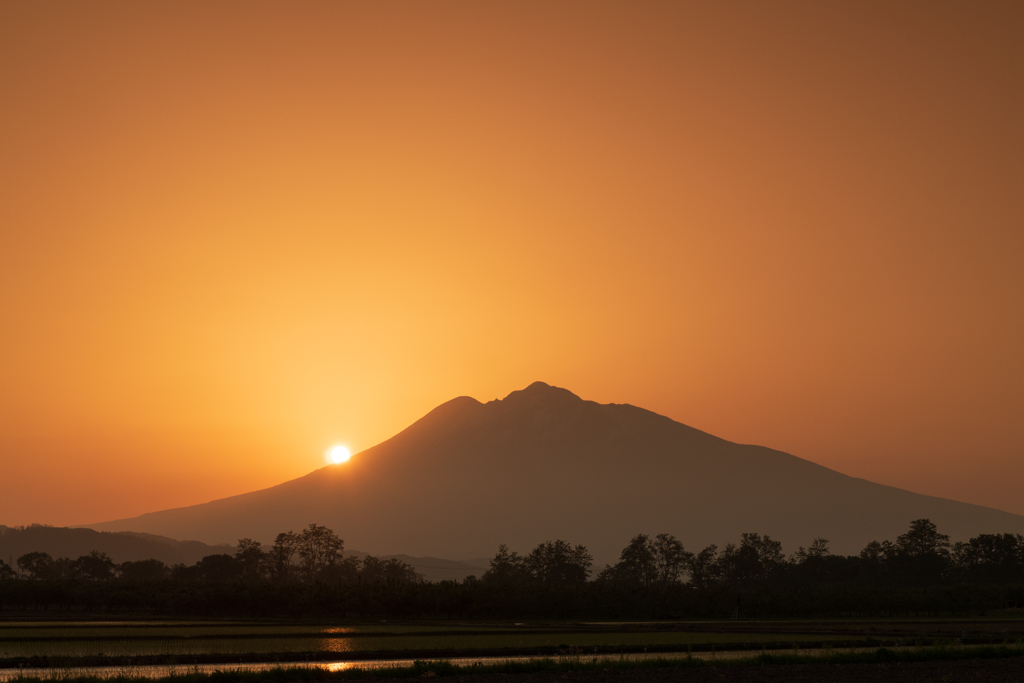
(123, 640)
(72, 647)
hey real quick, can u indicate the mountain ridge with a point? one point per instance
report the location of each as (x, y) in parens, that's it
(121, 546)
(544, 463)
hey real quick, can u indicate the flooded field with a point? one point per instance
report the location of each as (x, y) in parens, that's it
(91, 640)
(159, 648)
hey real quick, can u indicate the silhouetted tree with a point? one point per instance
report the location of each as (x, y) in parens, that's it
(372, 569)
(704, 567)
(755, 558)
(319, 549)
(7, 573)
(37, 565)
(143, 570)
(393, 570)
(671, 558)
(990, 558)
(922, 554)
(397, 571)
(182, 572)
(558, 563)
(637, 565)
(345, 570)
(874, 553)
(817, 564)
(818, 549)
(922, 540)
(507, 567)
(220, 567)
(95, 566)
(251, 558)
(64, 568)
(281, 554)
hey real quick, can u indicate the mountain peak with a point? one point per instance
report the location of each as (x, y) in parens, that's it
(541, 392)
(543, 463)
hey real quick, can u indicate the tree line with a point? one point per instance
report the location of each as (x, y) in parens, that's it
(314, 554)
(306, 573)
(922, 555)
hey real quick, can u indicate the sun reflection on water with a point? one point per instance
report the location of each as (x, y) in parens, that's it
(336, 645)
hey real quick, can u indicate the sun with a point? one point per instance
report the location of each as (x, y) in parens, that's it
(339, 454)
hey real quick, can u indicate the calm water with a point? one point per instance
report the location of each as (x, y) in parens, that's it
(70, 643)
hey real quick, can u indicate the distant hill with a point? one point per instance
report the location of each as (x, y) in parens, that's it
(121, 546)
(124, 546)
(543, 464)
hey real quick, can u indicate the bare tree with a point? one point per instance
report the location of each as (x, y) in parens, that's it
(319, 549)
(670, 557)
(251, 558)
(818, 549)
(704, 566)
(281, 554)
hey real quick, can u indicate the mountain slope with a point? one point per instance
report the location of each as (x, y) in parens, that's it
(121, 546)
(544, 464)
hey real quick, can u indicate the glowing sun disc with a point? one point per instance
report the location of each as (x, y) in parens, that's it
(340, 454)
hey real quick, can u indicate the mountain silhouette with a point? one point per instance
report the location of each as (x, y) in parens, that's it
(122, 546)
(543, 463)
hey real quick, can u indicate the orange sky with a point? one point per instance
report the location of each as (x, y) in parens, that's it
(234, 234)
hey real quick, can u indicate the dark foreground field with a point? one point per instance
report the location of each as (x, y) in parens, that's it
(990, 667)
(981, 670)
(951, 649)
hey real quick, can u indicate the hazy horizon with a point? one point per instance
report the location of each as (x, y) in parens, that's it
(234, 236)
